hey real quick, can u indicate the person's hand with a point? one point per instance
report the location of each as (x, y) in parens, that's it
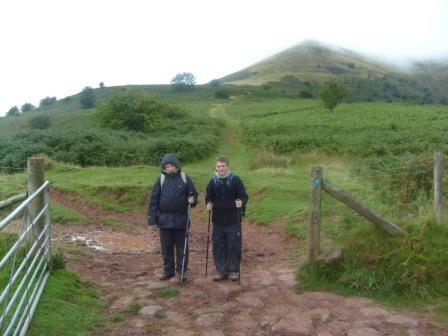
(191, 199)
(239, 203)
(209, 206)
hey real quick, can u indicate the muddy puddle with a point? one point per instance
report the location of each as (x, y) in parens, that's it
(113, 242)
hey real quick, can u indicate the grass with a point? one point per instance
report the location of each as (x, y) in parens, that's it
(64, 215)
(68, 307)
(168, 292)
(133, 308)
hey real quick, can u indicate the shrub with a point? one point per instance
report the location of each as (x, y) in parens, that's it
(136, 111)
(87, 98)
(305, 94)
(27, 107)
(222, 93)
(47, 101)
(40, 122)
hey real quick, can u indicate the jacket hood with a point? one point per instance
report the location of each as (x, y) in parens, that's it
(169, 158)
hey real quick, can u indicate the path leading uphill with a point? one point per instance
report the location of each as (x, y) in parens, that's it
(125, 268)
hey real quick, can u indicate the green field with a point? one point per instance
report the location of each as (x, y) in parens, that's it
(379, 152)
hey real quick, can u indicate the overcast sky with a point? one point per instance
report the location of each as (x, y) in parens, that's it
(55, 48)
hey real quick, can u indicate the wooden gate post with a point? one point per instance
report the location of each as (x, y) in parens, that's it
(36, 178)
(314, 215)
(438, 198)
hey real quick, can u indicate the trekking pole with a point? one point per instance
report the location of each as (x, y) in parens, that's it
(208, 242)
(239, 219)
(186, 242)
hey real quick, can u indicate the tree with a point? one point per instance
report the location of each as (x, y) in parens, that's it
(102, 86)
(183, 82)
(331, 94)
(88, 99)
(47, 101)
(27, 107)
(13, 112)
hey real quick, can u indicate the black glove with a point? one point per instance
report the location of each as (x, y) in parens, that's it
(151, 222)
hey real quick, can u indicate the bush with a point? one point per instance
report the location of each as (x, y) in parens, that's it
(100, 147)
(222, 94)
(87, 98)
(47, 101)
(135, 110)
(27, 107)
(40, 122)
(13, 112)
(305, 94)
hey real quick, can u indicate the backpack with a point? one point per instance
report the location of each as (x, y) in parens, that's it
(229, 180)
(162, 178)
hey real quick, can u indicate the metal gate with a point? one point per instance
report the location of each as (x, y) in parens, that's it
(24, 271)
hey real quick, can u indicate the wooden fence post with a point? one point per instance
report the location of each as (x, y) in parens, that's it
(438, 198)
(314, 215)
(36, 178)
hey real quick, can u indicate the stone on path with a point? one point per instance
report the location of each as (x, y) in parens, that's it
(157, 285)
(149, 311)
(251, 302)
(363, 332)
(402, 320)
(293, 325)
(209, 320)
(373, 312)
(212, 333)
(319, 314)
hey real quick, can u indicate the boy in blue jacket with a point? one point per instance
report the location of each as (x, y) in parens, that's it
(172, 194)
(226, 198)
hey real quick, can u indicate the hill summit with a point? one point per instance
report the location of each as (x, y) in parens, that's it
(311, 63)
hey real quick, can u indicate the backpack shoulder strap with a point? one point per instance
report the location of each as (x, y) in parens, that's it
(230, 179)
(162, 179)
(184, 177)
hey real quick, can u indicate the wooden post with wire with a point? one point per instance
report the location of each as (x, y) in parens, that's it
(314, 215)
(438, 197)
(36, 178)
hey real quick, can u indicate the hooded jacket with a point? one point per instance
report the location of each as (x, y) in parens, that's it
(168, 204)
(223, 192)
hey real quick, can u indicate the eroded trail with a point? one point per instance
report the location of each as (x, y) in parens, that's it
(125, 265)
(126, 269)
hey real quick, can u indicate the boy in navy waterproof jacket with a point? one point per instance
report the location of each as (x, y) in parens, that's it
(172, 193)
(226, 198)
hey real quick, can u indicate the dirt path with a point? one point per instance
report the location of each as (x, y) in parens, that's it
(125, 266)
(266, 302)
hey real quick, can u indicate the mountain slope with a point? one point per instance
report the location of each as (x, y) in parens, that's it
(309, 61)
(308, 65)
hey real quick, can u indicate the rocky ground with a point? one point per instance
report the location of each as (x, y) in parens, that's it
(125, 266)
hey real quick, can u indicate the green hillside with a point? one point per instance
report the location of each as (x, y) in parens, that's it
(379, 152)
(310, 62)
(306, 66)
(75, 134)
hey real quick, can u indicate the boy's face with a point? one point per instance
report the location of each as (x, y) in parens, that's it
(222, 168)
(170, 168)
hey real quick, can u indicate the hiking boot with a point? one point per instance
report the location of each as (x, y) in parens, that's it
(166, 277)
(233, 276)
(220, 277)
